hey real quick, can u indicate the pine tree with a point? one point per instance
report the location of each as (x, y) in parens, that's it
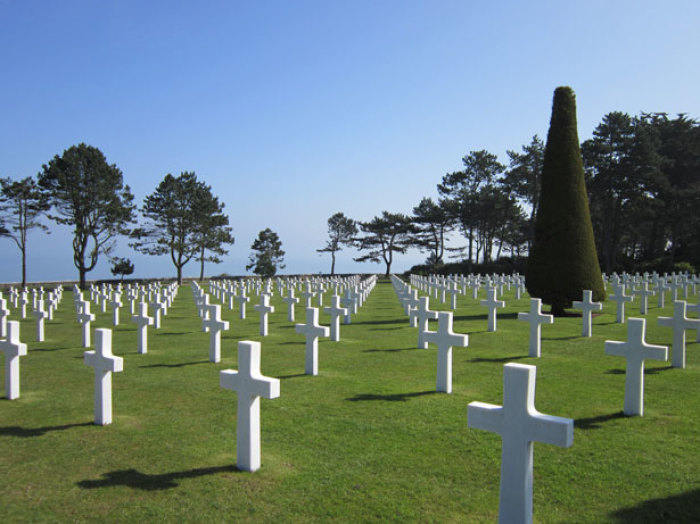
(563, 260)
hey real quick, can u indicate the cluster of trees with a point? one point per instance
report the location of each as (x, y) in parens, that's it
(80, 189)
(643, 184)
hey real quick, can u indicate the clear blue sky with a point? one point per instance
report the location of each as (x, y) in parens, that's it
(294, 110)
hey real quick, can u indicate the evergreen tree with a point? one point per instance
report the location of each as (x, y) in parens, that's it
(21, 205)
(563, 261)
(88, 194)
(268, 256)
(341, 230)
(383, 236)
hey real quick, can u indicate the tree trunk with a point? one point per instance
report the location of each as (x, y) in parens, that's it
(179, 275)
(82, 272)
(24, 268)
(332, 263)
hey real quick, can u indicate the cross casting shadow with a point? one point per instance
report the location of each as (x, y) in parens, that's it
(17, 431)
(137, 480)
(183, 364)
(396, 397)
(676, 508)
(656, 371)
(504, 359)
(595, 422)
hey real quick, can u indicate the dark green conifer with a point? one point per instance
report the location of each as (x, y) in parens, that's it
(563, 260)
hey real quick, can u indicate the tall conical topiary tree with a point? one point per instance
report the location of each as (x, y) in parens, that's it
(563, 259)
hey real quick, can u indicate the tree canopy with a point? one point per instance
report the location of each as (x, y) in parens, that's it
(88, 194)
(267, 256)
(341, 231)
(21, 204)
(383, 236)
(184, 220)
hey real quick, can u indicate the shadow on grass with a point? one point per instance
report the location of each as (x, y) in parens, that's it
(402, 320)
(396, 397)
(499, 316)
(676, 508)
(647, 371)
(596, 422)
(389, 350)
(183, 364)
(17, 431)
(504, 359)
(297, 375)
(563, 338)
(168, 333)
(137, 480)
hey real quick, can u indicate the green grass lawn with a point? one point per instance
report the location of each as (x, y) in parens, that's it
(368, 439)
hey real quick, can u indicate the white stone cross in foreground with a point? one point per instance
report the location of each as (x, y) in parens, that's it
(444, 338)
(587, 306)
(312, 330)
(13, 349)
(520, 425)
(142, 320)
(264, 308)
(104, 363)
(679, 322)
(492, 304)
(536, 318)
(250, 385)
(635, 350)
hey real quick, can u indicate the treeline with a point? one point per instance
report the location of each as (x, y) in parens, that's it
(643, 183)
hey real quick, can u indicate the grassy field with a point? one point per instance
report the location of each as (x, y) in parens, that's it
(368, 439)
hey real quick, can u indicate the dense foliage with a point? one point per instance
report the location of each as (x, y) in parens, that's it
(267, 256)
(88, 194)
(184, 220)
(563, 260)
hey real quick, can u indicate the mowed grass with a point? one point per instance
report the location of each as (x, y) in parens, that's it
(368, 439)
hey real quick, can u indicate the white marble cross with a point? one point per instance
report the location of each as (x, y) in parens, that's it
(13, 349)
(635, 350)
(679, 322)
(142, 321)
(41, 315)
(423, 314)
(312, 330)
(453, 291)
(536, 318)
(587, 306)
(643, 293)
(492, 303)
(520, 425)
(242, 300)
(215, 326)
(335, 312)
(444, 338)
(115, 304)
(85, 317)
(264, 308)
(159, 308)
(250, 385)
(291, 301)
(620, 298)
(4, 314)
(104, 363)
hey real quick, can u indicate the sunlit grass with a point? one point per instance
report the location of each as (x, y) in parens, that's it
(366, 440)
